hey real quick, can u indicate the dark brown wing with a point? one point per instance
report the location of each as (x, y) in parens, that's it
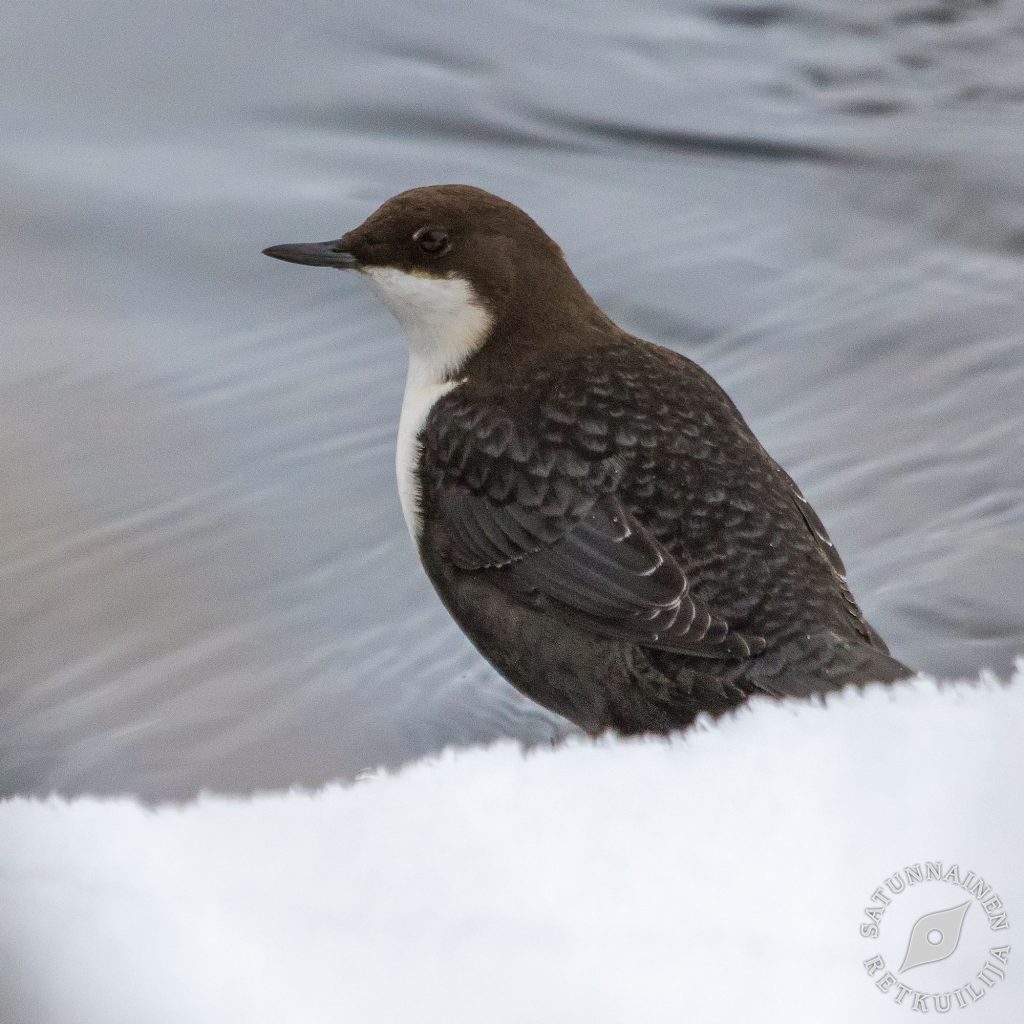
(818, 531)
(823, 543)
(544, 524)
(828, 549)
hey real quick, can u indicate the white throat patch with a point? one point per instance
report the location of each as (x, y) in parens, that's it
(445, 324)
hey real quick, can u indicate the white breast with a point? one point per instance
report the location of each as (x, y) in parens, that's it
(446, 324)
(420, 396)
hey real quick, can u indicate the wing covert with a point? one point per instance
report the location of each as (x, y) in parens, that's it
(547, 528)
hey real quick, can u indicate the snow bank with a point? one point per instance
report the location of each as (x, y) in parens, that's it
(720, 876)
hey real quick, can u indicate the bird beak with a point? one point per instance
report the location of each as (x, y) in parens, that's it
(315, 254)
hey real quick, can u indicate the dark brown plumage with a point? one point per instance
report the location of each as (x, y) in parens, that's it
(595, 513)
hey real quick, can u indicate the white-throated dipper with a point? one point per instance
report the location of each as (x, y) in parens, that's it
(592, 508)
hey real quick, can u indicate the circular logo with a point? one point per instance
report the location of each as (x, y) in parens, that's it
(939, 937)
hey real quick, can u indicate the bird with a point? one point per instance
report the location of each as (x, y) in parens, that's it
(591, 508)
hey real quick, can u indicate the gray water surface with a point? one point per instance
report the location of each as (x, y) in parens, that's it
(205, 579)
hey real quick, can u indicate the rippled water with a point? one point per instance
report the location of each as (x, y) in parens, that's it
(205, 580)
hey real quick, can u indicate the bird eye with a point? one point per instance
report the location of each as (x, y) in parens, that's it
(432, 241)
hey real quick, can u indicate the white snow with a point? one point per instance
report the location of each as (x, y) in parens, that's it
(720, 876)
